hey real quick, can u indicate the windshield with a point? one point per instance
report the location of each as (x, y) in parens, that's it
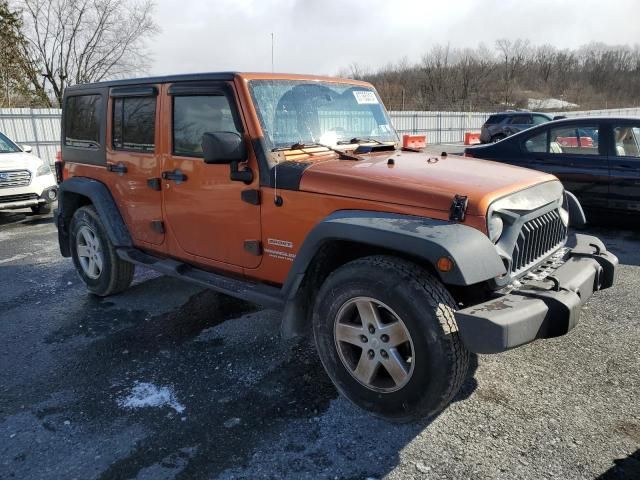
(307, 112)
(7, 146)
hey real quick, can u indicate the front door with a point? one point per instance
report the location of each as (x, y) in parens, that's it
(203, 207)
(624, 161)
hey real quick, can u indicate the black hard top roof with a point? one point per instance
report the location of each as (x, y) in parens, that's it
(161, 79)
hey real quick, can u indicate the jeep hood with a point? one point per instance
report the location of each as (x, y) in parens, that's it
(420, 180)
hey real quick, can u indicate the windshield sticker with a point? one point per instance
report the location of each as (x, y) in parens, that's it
(365, 97)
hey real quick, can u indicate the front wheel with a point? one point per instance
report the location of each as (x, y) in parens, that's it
(94, 256)
(387, 337)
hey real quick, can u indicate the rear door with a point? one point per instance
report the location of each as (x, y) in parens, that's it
(203, 207)
(574, 154)
(624, 161)
(133, 162)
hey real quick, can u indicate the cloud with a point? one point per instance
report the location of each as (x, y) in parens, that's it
(323, 36)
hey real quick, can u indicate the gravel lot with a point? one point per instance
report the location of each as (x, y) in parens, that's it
(169, 381)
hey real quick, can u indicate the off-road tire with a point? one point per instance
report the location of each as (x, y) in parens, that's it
(41, 209)
(116, 274)
(425, 307)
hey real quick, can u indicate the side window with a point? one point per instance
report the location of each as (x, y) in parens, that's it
(539, 119)
(578, 140)
(521, 120)
(627, 140)
(134, 120)
(82, 121)
(537, 143)
(196, 115)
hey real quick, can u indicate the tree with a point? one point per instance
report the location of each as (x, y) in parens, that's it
(12, 61)
(82, 41)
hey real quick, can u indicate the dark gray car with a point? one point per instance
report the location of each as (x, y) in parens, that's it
(501, 125)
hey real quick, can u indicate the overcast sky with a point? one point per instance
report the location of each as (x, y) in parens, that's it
(323, 36)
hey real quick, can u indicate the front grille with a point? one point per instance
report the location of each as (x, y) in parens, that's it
(18, 198)
(538, 238)
(15, 178)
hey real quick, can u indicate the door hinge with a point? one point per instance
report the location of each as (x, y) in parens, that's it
(157, 226)
(251, 196)
(154, 184)
(458, 208)
(254, 247)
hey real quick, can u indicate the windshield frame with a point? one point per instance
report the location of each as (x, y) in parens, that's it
(10, 143)
(389, 138)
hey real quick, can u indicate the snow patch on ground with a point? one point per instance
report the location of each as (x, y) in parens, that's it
(149, 395)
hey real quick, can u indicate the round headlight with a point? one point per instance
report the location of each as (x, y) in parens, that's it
(495, 225)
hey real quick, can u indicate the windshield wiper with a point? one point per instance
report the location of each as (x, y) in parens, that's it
(358, 140)
(301, 146)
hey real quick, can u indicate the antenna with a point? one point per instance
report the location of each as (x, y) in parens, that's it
(277, 199)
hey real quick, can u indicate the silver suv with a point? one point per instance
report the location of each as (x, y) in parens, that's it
(501, 125)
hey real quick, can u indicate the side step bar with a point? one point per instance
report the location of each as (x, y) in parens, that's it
(261, 294)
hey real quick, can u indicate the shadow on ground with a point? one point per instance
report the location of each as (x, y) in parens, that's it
(247, 394)
(624, 468)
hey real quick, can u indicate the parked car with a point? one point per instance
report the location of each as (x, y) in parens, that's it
(291, 191)
(25, 180)
(501, 125)
(597, 159)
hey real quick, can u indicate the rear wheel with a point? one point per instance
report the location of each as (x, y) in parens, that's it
(95, 258)
(386, 334)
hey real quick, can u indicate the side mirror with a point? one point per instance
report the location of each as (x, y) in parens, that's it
(227, 147)
(223, 147)
(26, 148)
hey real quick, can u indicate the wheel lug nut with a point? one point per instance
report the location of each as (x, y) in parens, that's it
(384, 353)
(371, 353)
(363, 339)
(371, 329)
(384, 338)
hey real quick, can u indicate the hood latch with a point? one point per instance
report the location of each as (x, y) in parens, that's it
(458, 208)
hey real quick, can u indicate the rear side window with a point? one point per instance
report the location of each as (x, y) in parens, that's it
(134, 120)
(195, 115)
(537, 143)
(82, 121)
(494, 119)
(521, 120)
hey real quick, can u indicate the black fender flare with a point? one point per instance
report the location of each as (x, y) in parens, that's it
(474, 255)
(100, 196)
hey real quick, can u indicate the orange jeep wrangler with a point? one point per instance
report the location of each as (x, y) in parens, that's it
(292, 191)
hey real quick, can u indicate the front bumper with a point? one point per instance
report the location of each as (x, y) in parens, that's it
(544, 307)
(13, 202)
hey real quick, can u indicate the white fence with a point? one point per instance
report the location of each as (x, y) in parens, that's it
(37, 127)
(40, 127)
(450, 127)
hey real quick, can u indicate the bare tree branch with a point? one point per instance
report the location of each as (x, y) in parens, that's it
(82, 41)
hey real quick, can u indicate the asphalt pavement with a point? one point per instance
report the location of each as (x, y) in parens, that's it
(169, 381)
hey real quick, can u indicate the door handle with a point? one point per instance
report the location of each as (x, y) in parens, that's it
(176, 176)
(119, 168)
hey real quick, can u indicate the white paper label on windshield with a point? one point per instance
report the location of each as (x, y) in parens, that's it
(364, 97)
